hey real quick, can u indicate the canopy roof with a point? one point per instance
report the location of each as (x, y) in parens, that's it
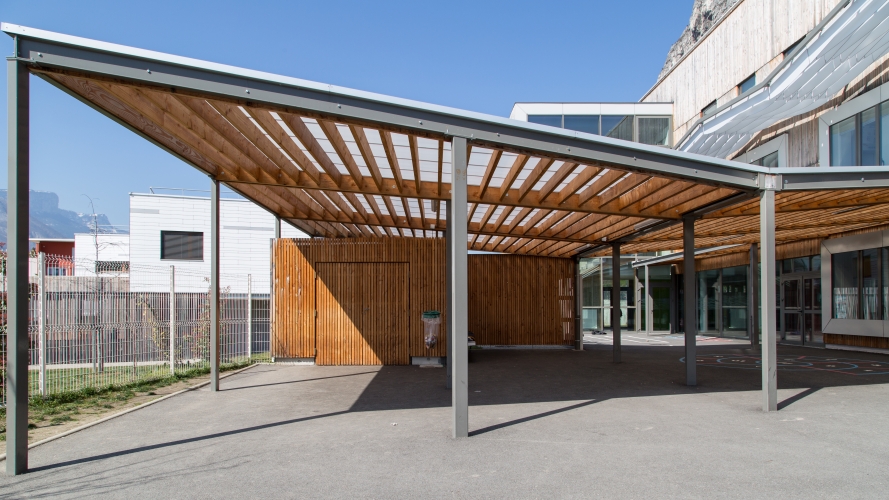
(338, 162)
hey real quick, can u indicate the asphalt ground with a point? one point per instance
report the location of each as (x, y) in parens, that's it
(544, 423)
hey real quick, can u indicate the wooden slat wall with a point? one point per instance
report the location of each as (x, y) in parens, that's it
(365, 286)
(363, 313)
(857, 341)
(521, 300)
(294, 287)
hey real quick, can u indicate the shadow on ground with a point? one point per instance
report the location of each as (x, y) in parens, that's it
(528, 376)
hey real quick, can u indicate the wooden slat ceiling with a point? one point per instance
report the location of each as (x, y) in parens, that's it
(336, 179)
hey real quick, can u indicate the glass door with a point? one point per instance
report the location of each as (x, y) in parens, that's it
(812, 311)
(791, 310)
(660, 308)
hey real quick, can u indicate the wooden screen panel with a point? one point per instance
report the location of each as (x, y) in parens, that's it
(363, 313)
(293, 272)
(521, 300)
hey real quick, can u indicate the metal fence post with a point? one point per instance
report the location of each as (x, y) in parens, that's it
(172, 320)
(249, 316)
(41, 321)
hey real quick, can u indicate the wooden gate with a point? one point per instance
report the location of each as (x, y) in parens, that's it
(362, 313)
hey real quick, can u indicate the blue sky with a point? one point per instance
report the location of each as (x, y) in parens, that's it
(475, 55)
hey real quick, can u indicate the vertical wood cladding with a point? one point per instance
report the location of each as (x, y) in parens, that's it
(405, 276)
(369, 295)
(521, 300)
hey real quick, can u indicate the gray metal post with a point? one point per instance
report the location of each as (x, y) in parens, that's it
(172, 320)
(690, 307)
(615, 301)
(769, 300)
(277, 227)
(648, 305)
(18, 130)
(449, 362)
(459, 310)
(41, 319)
(578, 306)
(214, 285)
(249, 316)
(752, 297)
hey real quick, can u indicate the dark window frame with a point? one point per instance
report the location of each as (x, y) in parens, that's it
(182, 233)
(878, 153)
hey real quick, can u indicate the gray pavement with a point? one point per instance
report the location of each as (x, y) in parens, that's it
(545, 423)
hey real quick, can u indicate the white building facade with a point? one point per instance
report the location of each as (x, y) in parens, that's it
(174, 230)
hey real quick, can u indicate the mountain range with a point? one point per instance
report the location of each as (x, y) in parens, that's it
(50, 221)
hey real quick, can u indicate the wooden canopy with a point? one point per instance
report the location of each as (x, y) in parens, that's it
(337, 163)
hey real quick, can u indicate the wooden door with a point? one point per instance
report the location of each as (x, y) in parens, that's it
(363, 313)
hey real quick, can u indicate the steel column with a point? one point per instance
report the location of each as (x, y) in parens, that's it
(449, 364)
(18, 130)
(214, 285)
(690, 314)
(459, 310)
(752, 298)
(648, 305)
(277, 227)
(578, 306)
(615, 301)
(769, 300)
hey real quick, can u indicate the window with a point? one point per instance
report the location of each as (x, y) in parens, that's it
(769, 160)
(583, 123)
(747, 84)
(861, 139)
(182, 245)
(709, 109)
(844, 280)
(618, 127)
(551, 120)
(654, 130)
(842, 143)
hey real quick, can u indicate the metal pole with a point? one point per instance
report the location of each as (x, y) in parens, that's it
(449, 363)
(752, 300)
(277, 227)
(172, 320)
(18, 130)
(273, 285)
(690, 311)
(41, 320)
(249, 316)
(615, 301)
(578, 306)
(648, 305)
(769, 300)
(459, 289)
(214, 285)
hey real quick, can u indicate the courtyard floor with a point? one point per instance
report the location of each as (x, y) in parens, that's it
(544, 423)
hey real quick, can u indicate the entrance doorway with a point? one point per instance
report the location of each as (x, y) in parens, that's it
(800, 309)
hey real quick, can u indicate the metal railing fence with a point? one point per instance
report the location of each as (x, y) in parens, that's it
(95, 324)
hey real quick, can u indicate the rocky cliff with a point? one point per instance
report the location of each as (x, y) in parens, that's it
(704, 14)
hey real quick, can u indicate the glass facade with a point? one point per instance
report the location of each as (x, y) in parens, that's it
(861, 139)
(747, 84)
(860, 284)
(654, 130)
(651, 297)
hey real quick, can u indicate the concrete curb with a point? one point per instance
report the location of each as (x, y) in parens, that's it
(128, 410)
